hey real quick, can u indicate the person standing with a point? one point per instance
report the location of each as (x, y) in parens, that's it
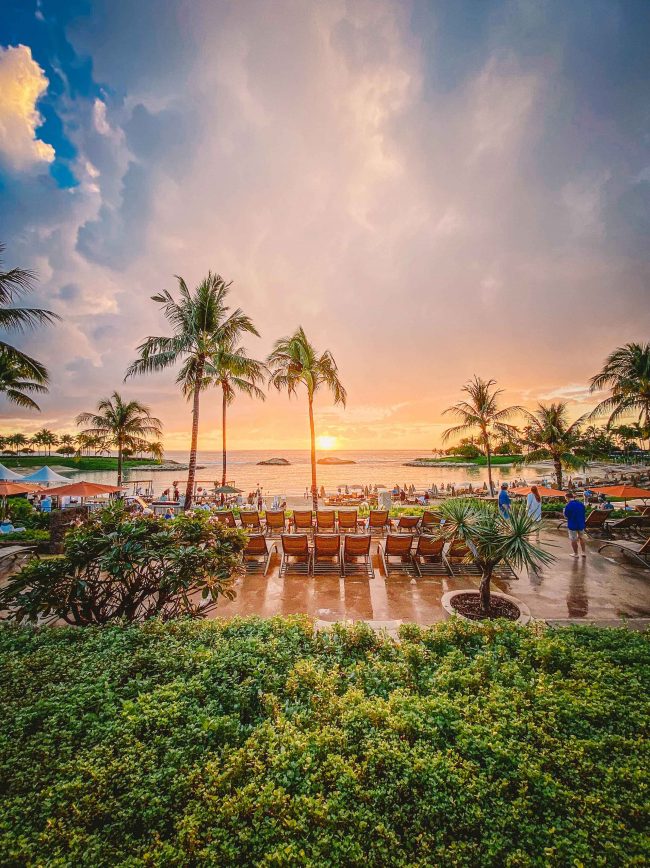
(534, 504)
(576, 517)
(504, 500)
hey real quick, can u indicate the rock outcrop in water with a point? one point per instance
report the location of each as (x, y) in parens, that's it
(275, 461)
(332, 459)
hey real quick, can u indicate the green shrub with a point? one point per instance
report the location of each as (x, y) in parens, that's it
(257, 742)
(22, 513)
(27, 535)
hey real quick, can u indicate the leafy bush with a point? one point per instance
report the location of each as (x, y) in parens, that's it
(258, 742)
(23, 514)
(118, 565)
(27, 535)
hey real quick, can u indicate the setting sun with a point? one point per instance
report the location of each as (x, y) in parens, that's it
(326, 441)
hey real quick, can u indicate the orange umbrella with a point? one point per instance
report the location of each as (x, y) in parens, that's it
(627, 492)
(541, 490)
(83, 489)
(7, 489)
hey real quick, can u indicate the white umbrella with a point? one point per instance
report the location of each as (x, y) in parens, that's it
(45, 474)
(7, 475)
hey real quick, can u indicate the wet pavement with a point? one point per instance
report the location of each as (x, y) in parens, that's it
(599, 588)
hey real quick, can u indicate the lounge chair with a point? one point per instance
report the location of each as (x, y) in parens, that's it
(396, 554)
(643, 510)
(257, 554)
(296, 554)
(250, 519)
(629, 523)
(348, 520)
(325, 521)
(637, 551)
(408, 524)
(427, 558)
(276, 522)
(327, 553)
(303, 520)
(430, 520)
(594, 523)
(11, 554)
(460, 560)
(356, 555)
(226, 517)
(378, 522)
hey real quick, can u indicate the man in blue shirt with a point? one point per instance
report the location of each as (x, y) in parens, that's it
(504, 500)
(576, 516)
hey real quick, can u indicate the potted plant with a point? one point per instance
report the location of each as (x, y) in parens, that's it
(492, 539)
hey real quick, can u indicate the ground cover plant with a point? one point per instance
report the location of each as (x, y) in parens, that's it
(257, 742)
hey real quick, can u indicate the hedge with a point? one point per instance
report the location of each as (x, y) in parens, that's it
(256, 742)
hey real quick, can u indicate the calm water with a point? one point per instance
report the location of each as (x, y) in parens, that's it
(370, 468)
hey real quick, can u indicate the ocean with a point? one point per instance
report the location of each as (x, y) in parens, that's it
(384, 467)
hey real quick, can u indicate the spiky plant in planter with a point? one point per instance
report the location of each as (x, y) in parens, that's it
(493, 539)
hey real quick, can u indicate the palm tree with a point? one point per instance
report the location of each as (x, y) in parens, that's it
(548, 435)
(48, 439)
(14, 285)
(124, 425)
(294, 360)
(17, 380)
(18, 441)
(200, 324)
(234, 371)
(627, 373)
(480, 412)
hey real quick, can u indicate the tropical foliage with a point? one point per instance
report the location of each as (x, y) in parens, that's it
(17, 382)
(118, 566)
(201, 323)
(626, 373)
(480, 412)
(258, 742)
(295, 361)
(549, 435)
(126, 426)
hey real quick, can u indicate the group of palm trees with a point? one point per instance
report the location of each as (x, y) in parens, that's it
(547, 432)
(205, 344)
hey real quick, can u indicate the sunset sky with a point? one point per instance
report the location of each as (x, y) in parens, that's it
(431, 189)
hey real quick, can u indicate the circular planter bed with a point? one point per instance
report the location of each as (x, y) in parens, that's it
(466, 605)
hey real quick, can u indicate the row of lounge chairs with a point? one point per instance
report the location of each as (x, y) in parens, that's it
(378, 523)
(350, 553)
(598, 523)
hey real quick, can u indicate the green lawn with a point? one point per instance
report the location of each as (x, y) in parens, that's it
(255, 742)
(93, 462)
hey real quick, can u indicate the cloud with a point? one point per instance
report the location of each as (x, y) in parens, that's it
(22, 83)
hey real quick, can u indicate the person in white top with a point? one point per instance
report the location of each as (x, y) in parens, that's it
(534, 504)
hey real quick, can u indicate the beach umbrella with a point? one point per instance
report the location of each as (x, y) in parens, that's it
(7, 489)
(83, 489)
(46, 475)
(7, 475)
(227, 489)
(627, 492)
(541, 490)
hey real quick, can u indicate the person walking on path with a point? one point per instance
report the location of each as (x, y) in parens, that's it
(576, 517)
(504, 500)
(534, 504)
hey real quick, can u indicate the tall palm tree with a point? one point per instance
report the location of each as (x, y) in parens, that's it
(549, 435)
(18, 441)
(480, 412)
(123, 425)
(48, 439)
(627, 373)
(200, 324)
(294, 360)
(16, 381)
(14, 285)
(234, 371)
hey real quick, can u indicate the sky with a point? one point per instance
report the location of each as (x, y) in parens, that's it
(432, 190)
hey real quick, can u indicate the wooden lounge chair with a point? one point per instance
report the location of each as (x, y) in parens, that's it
(460, 560)
(637, 551)
(296, 554)
(430, 520)
(378, 522)
(408, 524)
(427, 558)
(348, 520)
(628, 524)
(594, 523)
(227, 517)
(643, 510)
(327, 553)
(9, 555)
(303, 520)
(396, 554)
(257, 554)
(325, 521)
(276, 522)
(250, 519)
(356, 555)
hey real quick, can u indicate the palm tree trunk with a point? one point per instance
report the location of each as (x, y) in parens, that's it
(191, 470)
(119, 462)
(312, 432)
(223, 436)
(488, 455)
(484, 590)
(558, 472)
